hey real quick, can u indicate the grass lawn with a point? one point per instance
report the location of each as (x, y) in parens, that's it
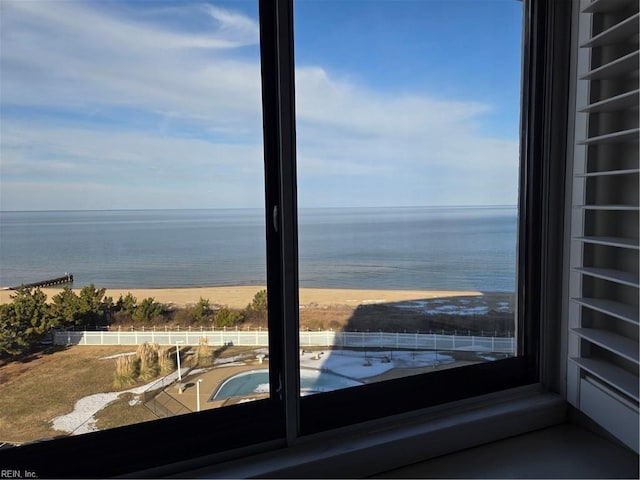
(34, 392)
(121, 412)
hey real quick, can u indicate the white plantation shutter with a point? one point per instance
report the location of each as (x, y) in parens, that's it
(602, 371)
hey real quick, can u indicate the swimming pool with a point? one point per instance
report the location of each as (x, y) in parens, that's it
(257, 382)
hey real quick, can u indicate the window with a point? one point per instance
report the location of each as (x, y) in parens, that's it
(407, 184)
(408, 191)
(282, 418)
(132, 157)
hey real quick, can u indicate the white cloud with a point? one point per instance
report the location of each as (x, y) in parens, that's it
(76, 56)
(27, 150)
(238, 25)
(129, 106)
(409, 149)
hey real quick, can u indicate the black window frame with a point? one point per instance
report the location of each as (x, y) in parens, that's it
(214, 435)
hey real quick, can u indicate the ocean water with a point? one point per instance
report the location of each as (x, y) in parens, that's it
(374, 248)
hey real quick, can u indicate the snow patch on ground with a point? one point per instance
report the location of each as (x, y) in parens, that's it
(489, 358)
(503, 307)
(235, 358)
(231, 364)
(361, 365)
(262, 388)
(348, 364)
(443, 306)
(127, 354)
(81, 419)
(245, 400)
(196, 371)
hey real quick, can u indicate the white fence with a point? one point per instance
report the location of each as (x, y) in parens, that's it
(414, 341)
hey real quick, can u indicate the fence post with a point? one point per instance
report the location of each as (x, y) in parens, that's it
(135, 336)
(435, 341)
(84, 336)
(118, 335)
(153, 336)
(493, 344)
(454, 342)
(101, 337)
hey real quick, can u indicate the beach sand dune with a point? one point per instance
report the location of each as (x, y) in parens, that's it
(240, 296)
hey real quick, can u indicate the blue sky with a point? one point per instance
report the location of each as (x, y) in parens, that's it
(117, 105)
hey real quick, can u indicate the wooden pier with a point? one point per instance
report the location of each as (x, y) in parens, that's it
(67, 278)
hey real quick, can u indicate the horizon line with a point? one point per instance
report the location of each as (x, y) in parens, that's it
(255, 208)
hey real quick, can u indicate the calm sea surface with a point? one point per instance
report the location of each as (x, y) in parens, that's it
(377, 248)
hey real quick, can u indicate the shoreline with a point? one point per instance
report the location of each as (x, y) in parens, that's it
(240, 296)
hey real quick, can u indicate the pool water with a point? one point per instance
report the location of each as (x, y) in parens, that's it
(257, 381)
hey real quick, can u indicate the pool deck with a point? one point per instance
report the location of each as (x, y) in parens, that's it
(211, 381)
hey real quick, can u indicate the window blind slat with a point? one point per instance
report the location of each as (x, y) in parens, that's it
(620, 66)
(612, 375)
(604, 173)
(620, 32)
(622, 346)
(619, 310)
(623, 136)
(603, 6)
(616, 276)
(615, 103)
(620, 208)
(632, 243)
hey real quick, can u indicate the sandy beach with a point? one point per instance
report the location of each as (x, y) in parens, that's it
(240, 296)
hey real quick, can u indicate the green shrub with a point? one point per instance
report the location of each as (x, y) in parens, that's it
(126, 304)
(227, 317)
(259, 302)
(201, 310)
(147, 310)
(24, 322)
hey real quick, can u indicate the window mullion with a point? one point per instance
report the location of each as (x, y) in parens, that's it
(282, 208)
